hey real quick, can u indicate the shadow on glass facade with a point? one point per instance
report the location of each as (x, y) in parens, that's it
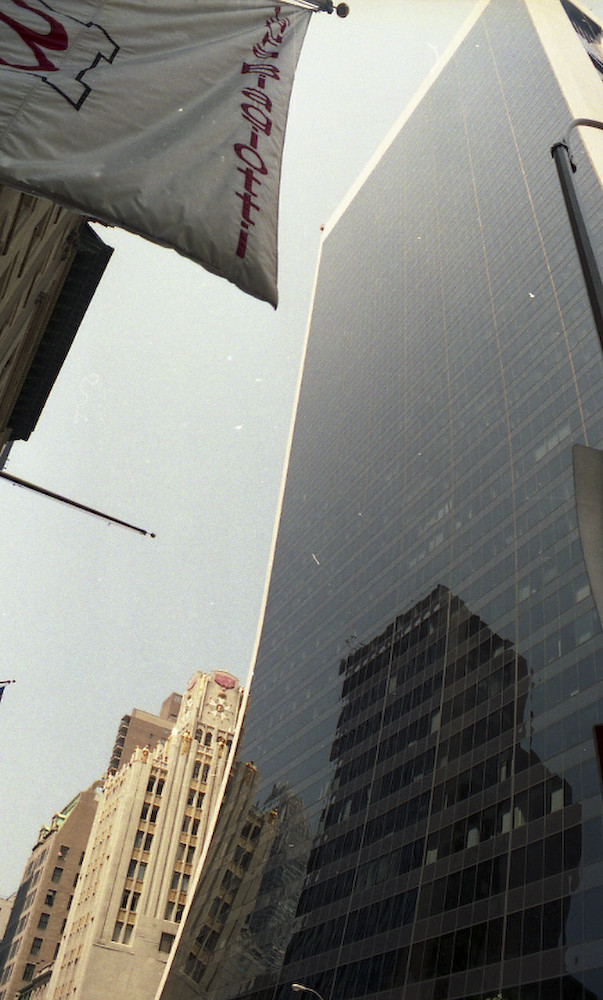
(428, 677)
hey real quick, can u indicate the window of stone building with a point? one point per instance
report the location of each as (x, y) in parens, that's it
(166, 941)
(56, 875)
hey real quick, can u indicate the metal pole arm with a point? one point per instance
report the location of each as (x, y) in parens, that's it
(588, 261)
(325, 6)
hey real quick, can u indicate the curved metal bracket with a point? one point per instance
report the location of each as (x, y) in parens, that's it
(588, 261)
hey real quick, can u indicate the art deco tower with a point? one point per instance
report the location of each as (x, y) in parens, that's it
(148, 833)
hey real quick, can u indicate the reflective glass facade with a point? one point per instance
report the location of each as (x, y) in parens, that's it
(420, 721)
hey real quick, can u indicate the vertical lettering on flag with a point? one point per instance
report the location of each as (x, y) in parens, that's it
(165, 118)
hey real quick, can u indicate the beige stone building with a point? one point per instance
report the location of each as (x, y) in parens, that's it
(43, 899)
(6, 906)
(36, 989)
(143, 729)
(50, 265)
(147, 837)
(224, 892)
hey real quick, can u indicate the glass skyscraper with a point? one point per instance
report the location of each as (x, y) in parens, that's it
(429, 673)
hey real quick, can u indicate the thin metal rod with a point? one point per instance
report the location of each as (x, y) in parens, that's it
(73, 503)
(326, 6)
(588, 261)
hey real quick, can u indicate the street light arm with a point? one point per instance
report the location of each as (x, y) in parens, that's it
(299, 988)
(588, 261)
(576, 122)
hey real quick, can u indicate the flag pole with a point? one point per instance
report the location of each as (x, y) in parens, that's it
(325, 6)
(73, 503)
(3, 684)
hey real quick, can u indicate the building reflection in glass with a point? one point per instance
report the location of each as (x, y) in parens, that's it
(456, 875)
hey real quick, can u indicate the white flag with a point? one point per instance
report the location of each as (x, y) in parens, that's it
(164, 117)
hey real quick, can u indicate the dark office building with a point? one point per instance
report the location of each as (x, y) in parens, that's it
(429, 670)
